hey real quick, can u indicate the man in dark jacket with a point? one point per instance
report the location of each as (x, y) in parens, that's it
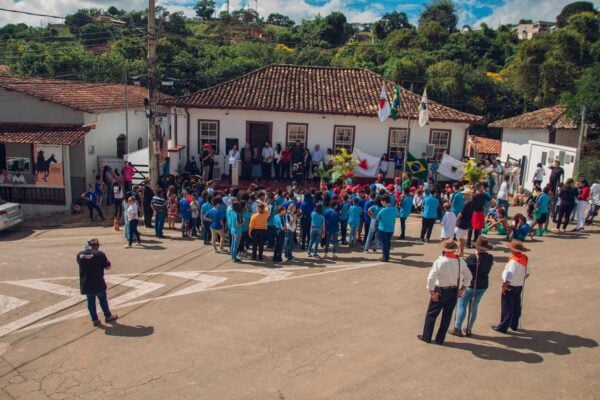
(148, 195)
(92, 263)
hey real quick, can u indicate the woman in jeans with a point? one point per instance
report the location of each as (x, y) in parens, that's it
(480, 265)
(317, 230)
(290, 231)
(132, 216)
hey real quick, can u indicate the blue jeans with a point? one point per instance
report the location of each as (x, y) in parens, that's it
(91, 305)
(372, 230)
(159, 223)
(385, 238)
(353, 232)
(465, 302)
(331, 237)
(288, 245)
(315, 239)
(235, 244)
(504, 204)
(185, 226)
(271, 232)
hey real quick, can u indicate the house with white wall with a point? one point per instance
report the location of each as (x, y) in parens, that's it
(332, 107)
(79, 120)
(548, 125)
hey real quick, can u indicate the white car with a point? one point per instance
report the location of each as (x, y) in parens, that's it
(10, 215)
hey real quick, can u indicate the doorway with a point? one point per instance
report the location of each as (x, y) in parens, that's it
(257, 133)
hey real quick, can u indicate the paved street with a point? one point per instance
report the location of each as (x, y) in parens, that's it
(195, 326)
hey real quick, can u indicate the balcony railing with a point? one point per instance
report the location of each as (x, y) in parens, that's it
(29, 194)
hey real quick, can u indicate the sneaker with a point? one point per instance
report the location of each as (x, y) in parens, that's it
(112, 317)
(127, 246)
(96, 322)
(455, 332)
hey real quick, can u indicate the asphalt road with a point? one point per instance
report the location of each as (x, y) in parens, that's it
(195, 326)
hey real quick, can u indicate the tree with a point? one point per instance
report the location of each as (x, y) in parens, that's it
(432, 35)
(205, 9)
(389, 23)
(115, 12)
(175, 24)
(441, 11)
(574, 8)
(402, 39)
(445, 80)
(587, 93)
(280, 20)
(586, 24)
(337, 30)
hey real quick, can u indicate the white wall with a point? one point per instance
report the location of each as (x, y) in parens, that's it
(567, 137)
(371, 135)
(515, 142)
(109, 126)
(19, 107)
(534, 156)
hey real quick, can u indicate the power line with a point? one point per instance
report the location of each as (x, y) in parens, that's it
(30, 13)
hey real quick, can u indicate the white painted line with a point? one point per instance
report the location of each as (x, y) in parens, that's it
(141, 288)
(205, 280)
(53, 288)
(8, 303)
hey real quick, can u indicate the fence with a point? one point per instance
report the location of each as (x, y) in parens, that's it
(33, 195)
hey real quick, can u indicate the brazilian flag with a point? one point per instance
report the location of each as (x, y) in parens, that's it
(416, 166)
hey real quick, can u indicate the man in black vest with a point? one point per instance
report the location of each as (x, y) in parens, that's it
(92, 263)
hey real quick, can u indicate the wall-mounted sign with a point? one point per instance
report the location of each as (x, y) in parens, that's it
(48, 165)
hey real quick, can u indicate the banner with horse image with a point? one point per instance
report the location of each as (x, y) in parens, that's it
(48, 165)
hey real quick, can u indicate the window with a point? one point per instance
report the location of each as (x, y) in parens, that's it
(397, 142)
(140, 143)
(18, 157)
(343, 137)
(208, 133)
(440, 140)
(296, 133)
(121, 146)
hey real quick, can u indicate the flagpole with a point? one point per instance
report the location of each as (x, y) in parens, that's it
(408, 138)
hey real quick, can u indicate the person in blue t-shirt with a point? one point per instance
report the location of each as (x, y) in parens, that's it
(317, 230)
(344, 215)
(215, 219)
(185, 211)
(398, 164)
(206, 207)
(366, 218)
(542, 204)
(406, 206)
(91, 201)
(332, 228)
(372, 233)
(307, 207)
(520, 227)
(430, 213)
(386, 222)
(279, 225)
(457, 200)
(354, 215)
(271, 231)
(235, 229)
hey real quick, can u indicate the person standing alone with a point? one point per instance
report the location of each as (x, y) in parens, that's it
(92, 263)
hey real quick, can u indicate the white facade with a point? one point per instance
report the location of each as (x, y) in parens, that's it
(370, 135)
(515, 142)
(545, 153)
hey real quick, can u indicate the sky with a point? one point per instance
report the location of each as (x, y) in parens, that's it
(470, 12)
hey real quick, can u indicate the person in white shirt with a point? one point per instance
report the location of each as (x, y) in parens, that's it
(317, 156)
(538, 175)
(267, 161)
(446, 282)
(504, 193)
(594, 203)
(132, 218)
(513, 280)
(448, 222)
(18, 179)
(233, 157)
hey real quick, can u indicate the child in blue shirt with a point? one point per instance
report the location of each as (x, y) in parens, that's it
(206, 207)
(317, 230)
(332, 227)
(372, 233)
(215, 218)
(279, 225)
(344, 215)
(386, 222)
(430, 213)
(406, 206)
(185, 210)
(354, 215)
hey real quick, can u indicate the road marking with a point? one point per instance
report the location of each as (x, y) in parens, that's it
(141, 288)
(8, 303)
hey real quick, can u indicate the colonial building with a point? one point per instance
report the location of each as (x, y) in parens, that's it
(333, 107)
(53, 131)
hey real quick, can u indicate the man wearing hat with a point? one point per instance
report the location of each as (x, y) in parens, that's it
(513, 279)
(446, 283)
(92, 263)
(480, 265)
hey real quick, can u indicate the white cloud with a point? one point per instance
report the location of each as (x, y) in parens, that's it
(514, 10)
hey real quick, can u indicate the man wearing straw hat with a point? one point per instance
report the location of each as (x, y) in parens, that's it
(480, 265)
(446, 283)
(513, 281)
(92, 263)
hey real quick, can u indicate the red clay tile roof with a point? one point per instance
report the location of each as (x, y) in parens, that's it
(486, 145)
(539, 119)
(42, 133)
(82, 96)
(305, 89)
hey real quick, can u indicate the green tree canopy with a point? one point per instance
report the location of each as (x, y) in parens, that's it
(441, 11)
(205, 9)
(280, 19)
(389, 23)
(574, 8)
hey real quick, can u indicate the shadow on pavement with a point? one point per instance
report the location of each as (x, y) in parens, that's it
(15, 234)
(117, 329)
(493, 353)
(542, 341)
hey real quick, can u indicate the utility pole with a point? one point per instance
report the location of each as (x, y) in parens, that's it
(408, 133)
(126, 80)
(579, 142)
(153, 137)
